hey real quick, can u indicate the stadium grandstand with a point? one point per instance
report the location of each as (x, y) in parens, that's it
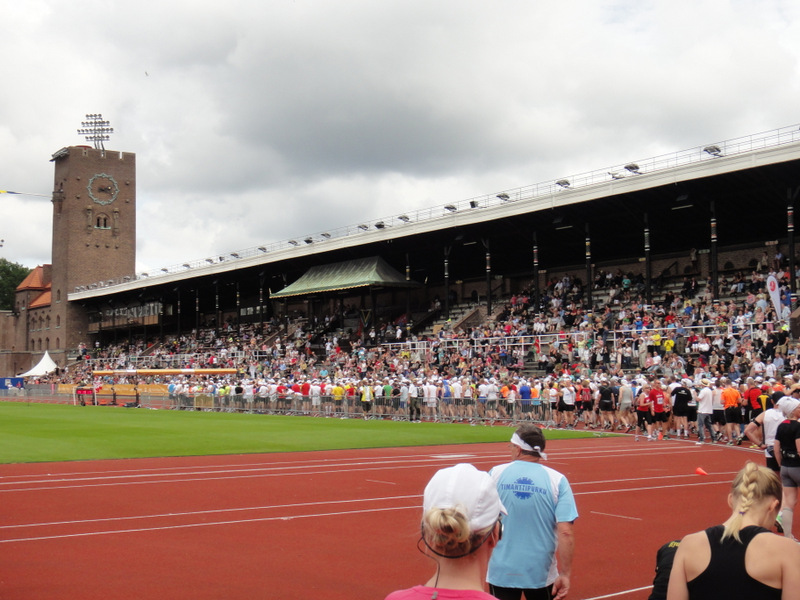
(659, 265)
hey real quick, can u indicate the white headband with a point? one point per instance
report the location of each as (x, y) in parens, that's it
(518, 441)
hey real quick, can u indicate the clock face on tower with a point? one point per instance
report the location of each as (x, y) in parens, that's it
(103, 189)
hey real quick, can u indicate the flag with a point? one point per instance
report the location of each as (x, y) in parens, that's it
(775, 295)
(24, 194)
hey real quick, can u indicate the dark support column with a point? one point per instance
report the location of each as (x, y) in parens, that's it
(285, 305)
(238, 307)
(144, 322)
(648, 266)
(341, 314)
(197, 309)
(113, 333)
(178, 289)
(792, 195)
(216, 307)
(535, 271)
(100, 325)
(488, 277)
(261, 278)
(374, 311)
(408, 297)
(714, 267)
(447, 282)
(589, 269)
(114, 320)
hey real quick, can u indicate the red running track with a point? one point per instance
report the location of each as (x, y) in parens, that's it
(333, 525)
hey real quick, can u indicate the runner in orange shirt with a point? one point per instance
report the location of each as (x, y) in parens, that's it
(732, 403)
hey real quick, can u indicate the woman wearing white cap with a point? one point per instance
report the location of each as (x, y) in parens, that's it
(460, 528)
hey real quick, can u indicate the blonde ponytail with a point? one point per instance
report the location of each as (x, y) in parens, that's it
(446, 533)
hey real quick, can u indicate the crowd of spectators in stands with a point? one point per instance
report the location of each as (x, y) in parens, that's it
(686, 333)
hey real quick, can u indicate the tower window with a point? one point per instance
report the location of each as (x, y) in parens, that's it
(102, 222)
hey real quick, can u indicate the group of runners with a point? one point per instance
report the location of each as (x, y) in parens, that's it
(415, 398)
(713, 410)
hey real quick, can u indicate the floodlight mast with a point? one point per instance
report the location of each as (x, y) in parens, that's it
(96, 130)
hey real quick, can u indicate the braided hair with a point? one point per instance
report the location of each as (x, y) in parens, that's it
(751, 485)
(446, 532)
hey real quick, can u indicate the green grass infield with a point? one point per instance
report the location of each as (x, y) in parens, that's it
(51, 432)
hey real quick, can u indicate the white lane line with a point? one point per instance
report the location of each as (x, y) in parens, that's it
(326, 502)
(212, 511)
(257, 474)
(205, 470)
(676, 476)
(338, 461)
(317, 462)
(379, 481)
(562, 453)
(622, 593)
(381, 468)
(192, 525)
(654, 487)
(284, 518)
(452, 456)
(594, 512)
(422, 461)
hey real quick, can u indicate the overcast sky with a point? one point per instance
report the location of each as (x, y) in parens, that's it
(256, 121)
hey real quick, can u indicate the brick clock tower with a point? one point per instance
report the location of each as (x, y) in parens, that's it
(94, 228)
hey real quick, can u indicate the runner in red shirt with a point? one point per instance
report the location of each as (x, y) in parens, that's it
(752, 395)
(305, 393)
(660, 407)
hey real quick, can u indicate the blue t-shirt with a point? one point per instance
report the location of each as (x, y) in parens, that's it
(537, 499)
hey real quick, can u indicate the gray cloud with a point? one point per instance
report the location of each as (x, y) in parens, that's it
(257, 121)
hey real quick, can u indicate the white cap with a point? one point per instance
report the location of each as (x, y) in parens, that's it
(465, 487)
(788, 405)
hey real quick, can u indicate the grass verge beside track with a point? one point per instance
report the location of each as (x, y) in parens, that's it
(47, 432)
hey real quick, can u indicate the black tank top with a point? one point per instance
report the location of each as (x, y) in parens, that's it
(725, 576)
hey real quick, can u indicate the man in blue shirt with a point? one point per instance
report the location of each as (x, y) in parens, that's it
(535, 554)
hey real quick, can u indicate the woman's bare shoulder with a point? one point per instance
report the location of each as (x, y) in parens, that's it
(698, 538)
(771, 544)
(788, 548)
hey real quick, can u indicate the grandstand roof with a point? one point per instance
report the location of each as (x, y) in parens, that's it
(372, 271)
(746, 191)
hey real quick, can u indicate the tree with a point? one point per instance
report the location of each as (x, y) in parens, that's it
(11, 275)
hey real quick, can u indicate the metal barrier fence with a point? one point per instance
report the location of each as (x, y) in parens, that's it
(454, 411)
(475, 411)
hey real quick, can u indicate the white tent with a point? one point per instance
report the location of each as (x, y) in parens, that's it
(45, 366)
